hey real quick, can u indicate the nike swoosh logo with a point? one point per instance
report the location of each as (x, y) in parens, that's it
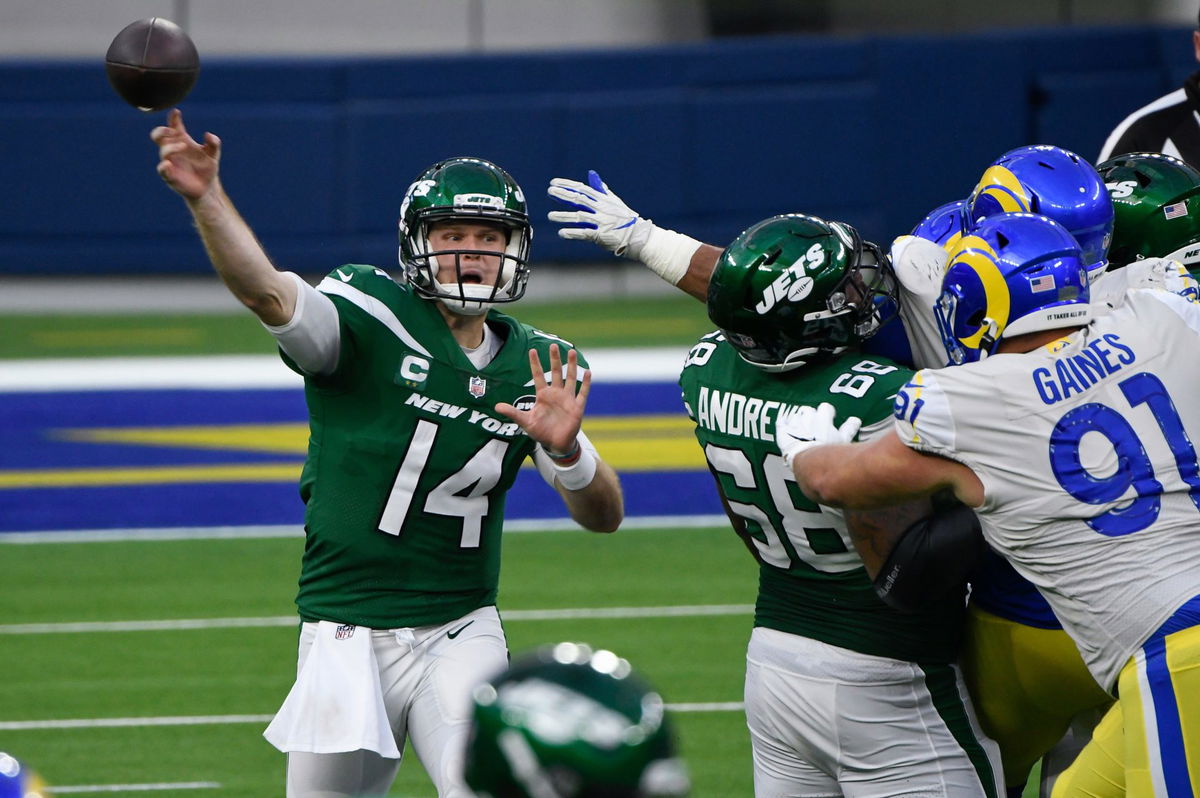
(456, 632)
(345, 277)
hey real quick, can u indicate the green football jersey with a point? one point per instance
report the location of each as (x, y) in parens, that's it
(408, 463)
(811, 581)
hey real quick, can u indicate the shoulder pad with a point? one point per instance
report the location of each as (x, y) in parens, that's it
(359, 275)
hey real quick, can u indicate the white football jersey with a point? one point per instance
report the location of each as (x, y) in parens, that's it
(1091, 482)
(920, 266)
(1161, 273)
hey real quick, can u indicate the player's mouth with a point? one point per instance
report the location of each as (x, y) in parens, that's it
(470, 277)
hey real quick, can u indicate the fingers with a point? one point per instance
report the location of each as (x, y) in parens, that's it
(508, 411)
(585, 386)
(572, 367)
(825, 414)
(570, 191)
(535, 367)
(850, 428)
(212, 145)
(569, 217)
(595, 182)
(556, 371)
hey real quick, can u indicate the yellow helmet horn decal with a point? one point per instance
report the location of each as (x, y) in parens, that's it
(1003, 186)
(978, 255)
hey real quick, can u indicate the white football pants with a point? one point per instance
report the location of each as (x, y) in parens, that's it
(427, 677)
(827, 722)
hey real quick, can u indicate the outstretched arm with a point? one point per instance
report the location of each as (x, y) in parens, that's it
(587, 484)
(191, 169)
(863, 476)
(600, 216)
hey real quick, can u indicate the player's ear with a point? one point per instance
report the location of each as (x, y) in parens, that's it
(1196, 43)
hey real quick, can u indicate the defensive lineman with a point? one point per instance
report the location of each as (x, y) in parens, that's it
(1072, 438)
(423, 404)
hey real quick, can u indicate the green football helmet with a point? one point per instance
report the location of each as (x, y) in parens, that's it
(466, 190)
(570, 722)
(795, 288)
(1156, 200)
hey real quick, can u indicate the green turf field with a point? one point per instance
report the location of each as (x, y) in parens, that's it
(656, 321)
(190, 678)
(187, 706)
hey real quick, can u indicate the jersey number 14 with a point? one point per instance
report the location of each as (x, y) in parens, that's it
(463, 494)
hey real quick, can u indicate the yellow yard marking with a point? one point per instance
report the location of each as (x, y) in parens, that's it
(628, 443)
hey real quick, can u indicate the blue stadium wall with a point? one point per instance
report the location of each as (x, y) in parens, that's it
(704, 138)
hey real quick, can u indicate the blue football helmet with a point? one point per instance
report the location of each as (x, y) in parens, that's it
(17, 780)
(1052, 182)
(944, 225)
(1016, 273)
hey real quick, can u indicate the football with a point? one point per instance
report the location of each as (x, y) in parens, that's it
(152, 64)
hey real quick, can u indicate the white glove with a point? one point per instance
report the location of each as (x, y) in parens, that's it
(807, 426)
(602, 217)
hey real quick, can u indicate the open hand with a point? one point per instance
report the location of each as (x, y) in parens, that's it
(555, 417)
(599, 216)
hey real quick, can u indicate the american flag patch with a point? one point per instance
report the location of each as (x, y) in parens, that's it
(1043, 283)
(1176, 210)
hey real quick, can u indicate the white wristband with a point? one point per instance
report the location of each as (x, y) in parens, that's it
(577, 475)
(668, 254)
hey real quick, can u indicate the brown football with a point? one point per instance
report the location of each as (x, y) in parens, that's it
(152, 64)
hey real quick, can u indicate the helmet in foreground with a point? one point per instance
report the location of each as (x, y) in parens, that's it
(19, 781)
(1052, 182)
(468, 190)
(1017, 273)
(570, 722)
(1156, 202)
(795, 288)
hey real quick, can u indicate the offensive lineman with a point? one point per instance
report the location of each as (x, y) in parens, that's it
(422, 409)
(844, 695)
(1071, 435)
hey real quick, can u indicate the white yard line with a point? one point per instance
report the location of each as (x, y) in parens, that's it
(178, 785)
(213, 720)
(292, 531)
(185, 624)
(241, 372)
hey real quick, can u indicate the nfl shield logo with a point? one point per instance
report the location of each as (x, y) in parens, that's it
(344, 632)
(477, 387)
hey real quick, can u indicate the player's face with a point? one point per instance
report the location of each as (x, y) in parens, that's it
(472, 241)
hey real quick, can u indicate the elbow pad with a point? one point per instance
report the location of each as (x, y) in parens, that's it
(932, 558)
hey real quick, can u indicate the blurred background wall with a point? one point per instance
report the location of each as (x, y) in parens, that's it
(74, 28)
(706, 115)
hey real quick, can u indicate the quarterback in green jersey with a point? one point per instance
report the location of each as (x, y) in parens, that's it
(423, 403)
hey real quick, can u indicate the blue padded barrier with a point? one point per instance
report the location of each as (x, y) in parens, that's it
(706, 138)
(1078, 111)
(946, 109)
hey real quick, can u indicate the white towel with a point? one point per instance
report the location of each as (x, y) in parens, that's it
(336, 704)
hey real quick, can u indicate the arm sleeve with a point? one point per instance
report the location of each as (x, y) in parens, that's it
(312, 337)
